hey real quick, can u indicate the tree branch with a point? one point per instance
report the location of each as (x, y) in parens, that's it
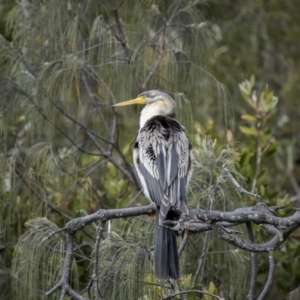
(95, 279)
(171, 296)
(252, 289)
(109, 214)
(270, 275)
(258, 214)
(122, 40)
(63, 284)
(209, 220)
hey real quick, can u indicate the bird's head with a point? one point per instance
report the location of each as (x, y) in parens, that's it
(157, 103)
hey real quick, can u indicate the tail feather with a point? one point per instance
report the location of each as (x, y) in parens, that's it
(166, 253)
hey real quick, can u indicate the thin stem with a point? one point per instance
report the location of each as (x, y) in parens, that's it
(252, 289)
(289, 172)
(270, 275)
(122, 40)
(68, 261)
(192, 291)
(45, 199)
(239, 187)
(183, 243)
(109, 156)
(202, 259)
(96, 261)
(258, 157)
(63, 284)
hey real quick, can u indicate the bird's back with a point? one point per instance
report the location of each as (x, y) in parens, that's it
(163, 162)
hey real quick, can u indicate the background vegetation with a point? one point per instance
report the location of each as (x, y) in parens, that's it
(65, 152)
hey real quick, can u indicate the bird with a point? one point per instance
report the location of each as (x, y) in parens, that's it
(162, 158)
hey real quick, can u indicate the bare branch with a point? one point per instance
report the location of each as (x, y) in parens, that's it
(95, 279)
(183, 243)
(270, 275)
(263, 247)
(202, 259)
(130, 175)
(63, 284)
(44, 115)
(241, 189)
(252, 289)
(45, 199)
(105, 215)
(258, 214)
(171, 296)
(122, 40)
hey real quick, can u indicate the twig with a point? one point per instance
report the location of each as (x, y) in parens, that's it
(45, 199)
(202, 260)
(183, 243)
(122, 40)
(192, 291)
(125, 171)
(270, 275)
(114, 131)
(44, 115)
(151, 73)
(95, 278)
(106, 154)
(274, 243)
(252, 289)
(289, 173)
(63, 284)
(242, 190)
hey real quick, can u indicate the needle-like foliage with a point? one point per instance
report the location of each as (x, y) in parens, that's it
(65, 152)
(37, 263)
(125, 260)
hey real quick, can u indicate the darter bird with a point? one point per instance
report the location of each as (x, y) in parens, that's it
(163, 160)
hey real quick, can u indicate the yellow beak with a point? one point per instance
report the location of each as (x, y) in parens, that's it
(138, 100)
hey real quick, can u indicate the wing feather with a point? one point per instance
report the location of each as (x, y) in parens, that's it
(164, 164)
(161, 162)
(153, 186)
(172, 163)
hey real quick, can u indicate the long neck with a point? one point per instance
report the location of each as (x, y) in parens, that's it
(155, 109)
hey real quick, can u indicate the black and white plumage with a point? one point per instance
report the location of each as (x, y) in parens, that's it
(162, 158)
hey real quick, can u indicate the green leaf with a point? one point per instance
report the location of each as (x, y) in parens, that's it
(252, 80)
(268, 100)
(212, 288)
(272, 149)
(262, 190)
(244, 92)
(250, 118)
(187, 282)
(207, 297)
(248, 130)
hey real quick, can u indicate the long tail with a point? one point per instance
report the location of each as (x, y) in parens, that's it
(166, 253)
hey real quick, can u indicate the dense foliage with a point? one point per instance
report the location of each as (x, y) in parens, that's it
(66, 152)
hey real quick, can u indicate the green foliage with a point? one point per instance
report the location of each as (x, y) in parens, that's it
(125, 262)
(256, 164)
(210, 186)
(212, 189)
(38, 261)
(212, 290)
(63, 63)
(262, 144)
